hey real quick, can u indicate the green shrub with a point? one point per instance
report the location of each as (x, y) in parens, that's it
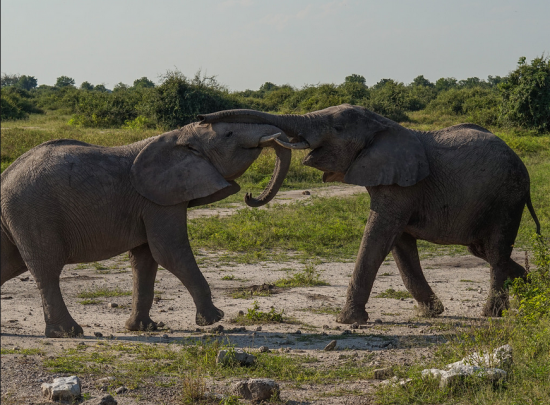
(526, 95)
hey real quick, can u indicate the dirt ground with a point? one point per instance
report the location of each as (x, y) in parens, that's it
(394, 335)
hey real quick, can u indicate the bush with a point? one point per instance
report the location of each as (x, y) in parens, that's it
(526, 95)
(17, 104)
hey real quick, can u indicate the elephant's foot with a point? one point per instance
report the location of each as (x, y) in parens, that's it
(496, 303)
(208, 317)
(71, 329)
(136, 322)
(352, 314)
(431, 308)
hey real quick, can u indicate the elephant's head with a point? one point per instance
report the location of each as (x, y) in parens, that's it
(202, 159)
(350, 144)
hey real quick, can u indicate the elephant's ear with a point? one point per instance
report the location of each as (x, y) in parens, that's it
(168, 172)
(394, 157)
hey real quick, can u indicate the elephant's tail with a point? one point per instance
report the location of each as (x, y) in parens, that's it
(532, 212)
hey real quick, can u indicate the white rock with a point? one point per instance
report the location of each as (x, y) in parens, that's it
(239, 356)
(62, 389)
(256, 389)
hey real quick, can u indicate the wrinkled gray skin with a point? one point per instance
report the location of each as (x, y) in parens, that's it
(460, 185)
(66, 202)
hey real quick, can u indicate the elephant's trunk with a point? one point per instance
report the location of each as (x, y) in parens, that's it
(282, 165)
(295, 126)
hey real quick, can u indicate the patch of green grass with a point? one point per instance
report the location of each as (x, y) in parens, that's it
(324, 310)
(28, 352)
(391, 293)
(247, 294)
(228, 277)
(255, 316)
(135, 364)
(103, 292)
(385, 274)
(89, 302)
(467, 281)
(308, 277)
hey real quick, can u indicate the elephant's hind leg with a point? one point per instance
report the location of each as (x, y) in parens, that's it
(59, 322)
(405, 253)
(498, 250)
(12, 263)
(144, 269)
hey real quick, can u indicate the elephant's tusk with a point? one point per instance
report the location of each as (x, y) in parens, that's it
(267, 138)
(297, 145)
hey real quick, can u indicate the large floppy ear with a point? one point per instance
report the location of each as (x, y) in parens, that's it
(393, 157)
(168, 172)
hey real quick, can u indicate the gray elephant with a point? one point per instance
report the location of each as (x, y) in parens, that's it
(67, 201)
(459, 185)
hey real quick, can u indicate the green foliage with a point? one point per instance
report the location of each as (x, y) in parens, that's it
(532, 296)
(139, 123)
(17, 104)
(86, 86)
(9, 79)
(308, 277)
(27, 82)
(254, 315)
(64, 81)
(391, 293)
(526, 95)
(103, 292)
(143, 83)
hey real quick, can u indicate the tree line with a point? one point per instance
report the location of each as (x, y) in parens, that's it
(521, 99)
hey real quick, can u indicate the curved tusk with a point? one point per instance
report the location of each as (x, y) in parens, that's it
(267, 138)
(297, 145)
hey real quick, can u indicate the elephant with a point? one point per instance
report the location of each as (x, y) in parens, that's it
(459, 185)
(67, 201)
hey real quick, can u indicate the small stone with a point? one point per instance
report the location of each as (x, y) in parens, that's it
(326, 327)
(346, 332)
(62, 389)
(170, 308)
(121, 390)
(264, 349)
(451, 299)
(337, 328)
(240, 313)
(298, 332)
(24, 279)
(383, 373)
(160, 325)
(238, 355)
(98, 334)
(305, 192)
(259, 328)
(161, 310)
(106, 379)
(112, 305)
(324, 334)
(105, 400)
(256, 389)
(355, 326)
(330, 346)
(165, 336)
(378, 321)
(217, 329)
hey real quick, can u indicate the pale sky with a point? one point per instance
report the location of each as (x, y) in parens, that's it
(248, 42)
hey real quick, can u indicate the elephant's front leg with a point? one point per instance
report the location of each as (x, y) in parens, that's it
(170, 247)
(378, 238)
(144, 269)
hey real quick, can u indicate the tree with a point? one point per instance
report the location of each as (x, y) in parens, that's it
(64, 81)
(101, 88)
(445, 83)
(353, 78)
(120, 87)
(86, 86)
(526, 95)
(9, 80)
(143, 83)
(422, 81)
(27, 82)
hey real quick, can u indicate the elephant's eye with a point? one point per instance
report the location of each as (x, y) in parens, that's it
(229, 134)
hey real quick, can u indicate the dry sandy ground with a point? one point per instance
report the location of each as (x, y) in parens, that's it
(398, 337)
